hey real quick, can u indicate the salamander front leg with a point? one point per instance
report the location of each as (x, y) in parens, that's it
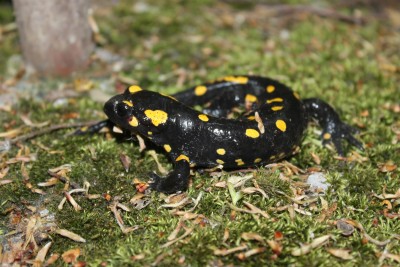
(177, 180)
(333, 129)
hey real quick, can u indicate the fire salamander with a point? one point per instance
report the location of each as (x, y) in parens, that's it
(269, 128)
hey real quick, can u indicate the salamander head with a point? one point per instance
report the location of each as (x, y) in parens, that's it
(132, 110)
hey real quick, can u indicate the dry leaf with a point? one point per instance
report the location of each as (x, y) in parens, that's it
(305, 249)
(252, 236)
(70, 235)
(70, 256)
(224, 251)
(343, 254)
(126, 161)
(346, 228)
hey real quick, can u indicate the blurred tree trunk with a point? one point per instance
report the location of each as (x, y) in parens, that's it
(55, 35)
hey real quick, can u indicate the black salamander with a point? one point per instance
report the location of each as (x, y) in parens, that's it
(270, 128)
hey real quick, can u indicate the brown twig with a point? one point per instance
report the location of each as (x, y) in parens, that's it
(282, 10)
(50, 129)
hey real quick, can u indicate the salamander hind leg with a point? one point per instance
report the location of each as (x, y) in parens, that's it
(177, 180)
(333, 129)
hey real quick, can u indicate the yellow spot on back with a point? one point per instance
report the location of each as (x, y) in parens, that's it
(239, 162)
(276, 108)
(150, 133)
(272, 157)
(200, 90)
(182, 157)
(251, 118)
(167, 148)
(257, 160)
(236, 79)
(134, 89)
(157, 117)
(270, 88)
(203, 117)
(252, 133)
(296, 95)
(278, 99)
(133, 121)
(250, 98)
(220, 161)
(128, 103)
(326, 136)
(281, 125)
(221, 151)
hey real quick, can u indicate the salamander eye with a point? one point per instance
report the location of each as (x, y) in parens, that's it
(122, 110)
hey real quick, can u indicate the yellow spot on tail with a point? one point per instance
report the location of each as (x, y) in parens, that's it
(167, 148)
(236, 79)
(134, 89)
(221, 151)
(239, 162)
(278, 99)
(203, 117)
(296, 95)
(157, 117)
(257, 160)
(276, 108)
(182, 157)
(133, 121)
(327, 136)
(200, 90)
(220, 161)
(250, 98)
(270, 88)
(252, 133)
(281, 125)
(128, 103)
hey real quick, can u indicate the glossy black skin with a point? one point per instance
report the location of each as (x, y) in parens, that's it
(193, 142)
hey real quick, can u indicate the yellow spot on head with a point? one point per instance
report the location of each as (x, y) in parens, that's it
(167, 148)
(270, 88)
(252, 133)
(203, 117)
(221, 151)
(220, 161)
(182, 157)
(134, 89)
(276, 108)
(257, 160)
(236, 79)
(239, 162)
(327, 136)
(157, 117)
(133, 121)
(128, 103)
(278, 99)
(281, 125)
(200, 90)
(250, 98)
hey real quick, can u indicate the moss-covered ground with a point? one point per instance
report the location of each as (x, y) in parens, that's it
(261, 217)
